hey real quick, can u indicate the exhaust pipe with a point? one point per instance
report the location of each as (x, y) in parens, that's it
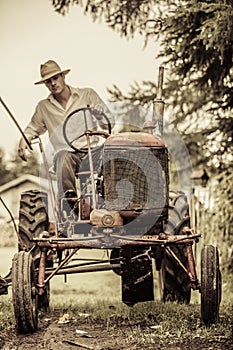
(155, 126)
(158, 104)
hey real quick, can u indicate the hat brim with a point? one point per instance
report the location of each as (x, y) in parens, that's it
(66, 71)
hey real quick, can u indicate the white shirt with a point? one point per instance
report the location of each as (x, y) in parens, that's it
(50, 116)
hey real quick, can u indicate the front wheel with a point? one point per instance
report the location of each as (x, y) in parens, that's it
(210, 285)
(25, 299)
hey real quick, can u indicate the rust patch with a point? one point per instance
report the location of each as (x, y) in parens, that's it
(135, 139)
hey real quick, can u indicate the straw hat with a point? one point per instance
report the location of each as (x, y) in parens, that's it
(48, 70)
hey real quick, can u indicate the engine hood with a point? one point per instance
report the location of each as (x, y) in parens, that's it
(134, 139)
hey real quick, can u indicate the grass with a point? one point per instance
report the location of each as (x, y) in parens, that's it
(147, 323)
(94, 299)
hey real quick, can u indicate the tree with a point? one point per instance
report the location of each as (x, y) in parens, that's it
(196, 44)
(4, 172)
(17, 167)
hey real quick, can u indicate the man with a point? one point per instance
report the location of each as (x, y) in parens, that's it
(50, 115)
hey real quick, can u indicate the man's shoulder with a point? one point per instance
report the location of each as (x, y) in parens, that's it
(45, 99)
(82, 90)
(43, 102)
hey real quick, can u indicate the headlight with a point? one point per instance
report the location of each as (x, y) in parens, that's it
(108, 220)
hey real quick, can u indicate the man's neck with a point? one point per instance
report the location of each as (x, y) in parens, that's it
(63, 97)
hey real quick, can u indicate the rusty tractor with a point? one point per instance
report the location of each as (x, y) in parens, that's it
(125, 206)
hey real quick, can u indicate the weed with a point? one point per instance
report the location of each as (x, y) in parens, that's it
(6, 312)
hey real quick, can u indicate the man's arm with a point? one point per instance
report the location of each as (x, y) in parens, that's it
(34, 129)
(23, 148)
(98, 107)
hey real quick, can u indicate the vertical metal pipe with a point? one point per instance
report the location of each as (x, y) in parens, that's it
(192, 267)
(41, 275)
(158, 104)
(90, 162)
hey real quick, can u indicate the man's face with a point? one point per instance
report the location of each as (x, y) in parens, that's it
(56, 84)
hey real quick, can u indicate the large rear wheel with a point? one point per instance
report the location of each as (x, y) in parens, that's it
(210, 285)
(33, 219)
(25, 299)
(174, 281)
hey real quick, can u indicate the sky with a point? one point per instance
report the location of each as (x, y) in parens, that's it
(31, 32)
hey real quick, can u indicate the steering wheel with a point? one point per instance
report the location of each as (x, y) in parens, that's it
(87, 131)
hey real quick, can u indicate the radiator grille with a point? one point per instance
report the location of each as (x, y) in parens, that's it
(135, 178)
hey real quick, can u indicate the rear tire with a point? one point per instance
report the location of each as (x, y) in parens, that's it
(33, 219)
(210, 285)
(25, 299)
(174, 281)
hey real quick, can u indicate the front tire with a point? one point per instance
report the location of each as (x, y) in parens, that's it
(25, 299)
(210, 285)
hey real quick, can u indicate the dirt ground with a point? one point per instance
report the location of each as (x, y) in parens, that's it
(68, 336)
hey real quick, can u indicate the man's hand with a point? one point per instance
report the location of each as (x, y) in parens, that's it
(97, 110)
(23, 148)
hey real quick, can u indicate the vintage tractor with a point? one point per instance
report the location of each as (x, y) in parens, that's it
(124, 206)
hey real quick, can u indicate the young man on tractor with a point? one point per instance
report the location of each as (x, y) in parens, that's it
(50, 114)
